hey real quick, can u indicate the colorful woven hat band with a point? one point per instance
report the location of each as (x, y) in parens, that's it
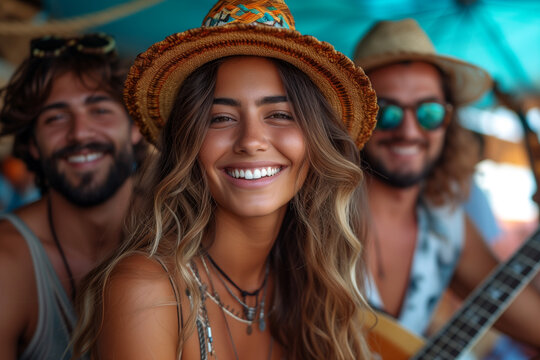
(247, 28)
(273, 13)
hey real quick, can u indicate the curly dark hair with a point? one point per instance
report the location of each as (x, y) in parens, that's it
(30, 86)
(450, 178)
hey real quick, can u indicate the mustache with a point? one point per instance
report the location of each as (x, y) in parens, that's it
(398, 140)
(75, 148)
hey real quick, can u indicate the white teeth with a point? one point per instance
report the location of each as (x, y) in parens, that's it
(79, 159)
(253, 174)
(92, 157)
(405, 150)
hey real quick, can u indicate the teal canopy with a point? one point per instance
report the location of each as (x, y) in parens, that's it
(503, 36)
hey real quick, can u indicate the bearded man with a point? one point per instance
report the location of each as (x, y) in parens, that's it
(420, 163)
(63, 105)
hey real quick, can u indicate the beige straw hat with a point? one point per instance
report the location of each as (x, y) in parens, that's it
(258, 28)
(389, 42)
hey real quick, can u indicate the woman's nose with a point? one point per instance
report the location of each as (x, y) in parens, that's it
(252, 136)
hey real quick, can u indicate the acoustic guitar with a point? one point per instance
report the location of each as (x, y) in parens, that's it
(479, 311)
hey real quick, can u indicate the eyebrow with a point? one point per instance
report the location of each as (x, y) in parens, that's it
(271, 100)
(92, 99)
(264, 101)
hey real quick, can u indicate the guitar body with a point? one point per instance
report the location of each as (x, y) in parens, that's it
(479, 311)
(390, 341)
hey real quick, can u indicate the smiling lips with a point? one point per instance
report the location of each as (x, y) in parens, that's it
(255, 173)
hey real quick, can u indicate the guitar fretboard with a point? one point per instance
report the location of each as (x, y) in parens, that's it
(485, 304)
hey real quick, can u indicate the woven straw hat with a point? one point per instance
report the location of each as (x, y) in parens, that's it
(389, 42)
(257, 28)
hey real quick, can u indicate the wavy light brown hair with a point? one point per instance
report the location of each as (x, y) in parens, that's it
(317, 259)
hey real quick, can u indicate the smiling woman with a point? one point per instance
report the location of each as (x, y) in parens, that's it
(252, 128)
(250, 241)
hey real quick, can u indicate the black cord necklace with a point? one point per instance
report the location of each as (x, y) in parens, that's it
(243, 292)
(60, 249)
(249, 311)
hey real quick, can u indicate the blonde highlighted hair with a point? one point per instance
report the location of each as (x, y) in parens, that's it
(317, 259)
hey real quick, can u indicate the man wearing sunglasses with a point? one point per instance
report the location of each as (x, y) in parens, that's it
(63, 106)
(420, 163)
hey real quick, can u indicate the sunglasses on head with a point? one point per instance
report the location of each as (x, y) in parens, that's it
(52, 46)
(430, 115)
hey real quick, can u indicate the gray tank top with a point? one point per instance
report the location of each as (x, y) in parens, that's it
(56, 316)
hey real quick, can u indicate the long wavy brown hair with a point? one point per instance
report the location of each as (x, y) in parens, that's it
(317, 259)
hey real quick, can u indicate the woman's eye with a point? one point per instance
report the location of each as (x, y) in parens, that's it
(281, 115)
(220, 119)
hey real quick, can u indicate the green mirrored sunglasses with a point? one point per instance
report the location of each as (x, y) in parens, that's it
(430, 115)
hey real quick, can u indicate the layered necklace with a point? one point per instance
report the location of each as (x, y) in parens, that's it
(250, 312)
(248, 315)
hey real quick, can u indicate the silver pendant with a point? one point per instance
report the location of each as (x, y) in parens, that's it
(250, 313)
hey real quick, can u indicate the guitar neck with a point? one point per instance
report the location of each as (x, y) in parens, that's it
(485, 304)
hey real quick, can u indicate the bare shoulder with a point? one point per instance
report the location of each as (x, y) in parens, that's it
(10, 236)
(11, 240)
(16, 265)
(17, 290)
(136, 275)
(15, 259)
(140, 311)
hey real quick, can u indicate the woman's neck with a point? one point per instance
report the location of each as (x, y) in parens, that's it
(240, 246)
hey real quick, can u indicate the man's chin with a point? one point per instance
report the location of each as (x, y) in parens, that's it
(402, 181)
(396, 179)
(87, 197)
(87, 191)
